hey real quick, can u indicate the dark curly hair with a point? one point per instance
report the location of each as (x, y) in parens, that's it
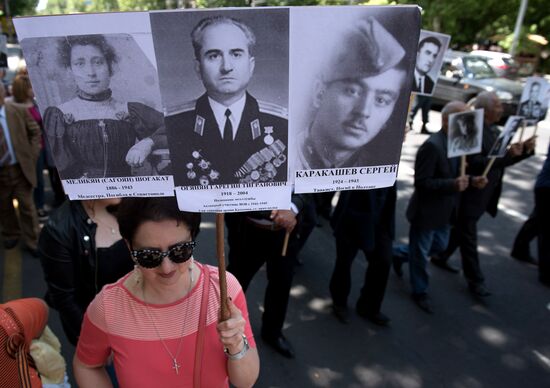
(132, 212)
(66, 44)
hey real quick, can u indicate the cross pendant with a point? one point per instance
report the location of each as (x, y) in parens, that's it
(175, 366)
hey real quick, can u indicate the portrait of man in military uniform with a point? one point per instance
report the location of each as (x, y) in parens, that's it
(354, 97)
(226, 136)
(532, 102)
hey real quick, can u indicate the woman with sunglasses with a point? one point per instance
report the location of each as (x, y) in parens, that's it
(161, 321)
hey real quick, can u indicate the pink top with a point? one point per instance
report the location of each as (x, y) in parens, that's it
(116, 321)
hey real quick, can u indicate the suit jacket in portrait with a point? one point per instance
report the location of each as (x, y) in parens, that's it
(428, 85)
(434, 201)
(531, 110)
(199, 156)
(25, 138)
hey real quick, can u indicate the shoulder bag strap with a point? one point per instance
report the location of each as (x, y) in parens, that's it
(199, 346)
(15, 347)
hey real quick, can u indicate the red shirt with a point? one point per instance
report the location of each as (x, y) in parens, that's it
(118, 322)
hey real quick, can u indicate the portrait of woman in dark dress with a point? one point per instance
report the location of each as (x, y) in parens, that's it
(94, 135)
(465, 133)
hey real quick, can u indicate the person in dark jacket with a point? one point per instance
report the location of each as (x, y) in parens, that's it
(363, 220)
(474, 202)
(437, 184)
(81, 250)
(542, 215)
(256, 238)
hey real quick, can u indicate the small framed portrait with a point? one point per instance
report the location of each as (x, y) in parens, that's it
(498, 150)
(429, 58)
(465, 133)
(534, 100)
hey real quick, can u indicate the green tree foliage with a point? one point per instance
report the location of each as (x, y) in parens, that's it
(20, 7)
(467, 21)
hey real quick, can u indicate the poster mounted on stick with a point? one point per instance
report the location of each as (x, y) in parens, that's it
(351, 78)
(465, 133)
(429, 58)
(224, 84)
(534, 100)
(500, 147)
(95, 80)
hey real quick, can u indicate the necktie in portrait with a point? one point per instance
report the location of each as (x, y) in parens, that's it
(228, 128)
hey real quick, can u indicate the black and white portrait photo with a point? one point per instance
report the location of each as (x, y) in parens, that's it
(429, 58)
(465, 132)
(96, 125)
(350, 86)
(498, 149)
(224, 82)
(534, 104)
(95, 81)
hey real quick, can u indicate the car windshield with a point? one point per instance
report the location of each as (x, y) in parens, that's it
(477, 68)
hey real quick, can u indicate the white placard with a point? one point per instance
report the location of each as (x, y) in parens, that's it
(429, 59)
(465, 133)
(348, 106)
(234, 80)
(118, 187)
(350, 178)
(96, 84)
(534, 100)
(234, 198)
(500, 147)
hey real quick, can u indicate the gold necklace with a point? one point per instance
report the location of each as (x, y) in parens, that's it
(174, 359)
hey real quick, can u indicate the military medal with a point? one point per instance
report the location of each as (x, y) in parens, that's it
(214, 175)
(255, 175)
(268, 139)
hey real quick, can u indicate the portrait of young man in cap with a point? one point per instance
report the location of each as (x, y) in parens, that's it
(226, 136)
(354, 96)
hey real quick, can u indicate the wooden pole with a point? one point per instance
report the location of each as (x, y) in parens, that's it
(488, 167)
(285, 243)
(536, 127)
(463, 165)
(220, 249)
(521, 131)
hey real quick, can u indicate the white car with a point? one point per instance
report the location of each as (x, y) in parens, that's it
(502, 63)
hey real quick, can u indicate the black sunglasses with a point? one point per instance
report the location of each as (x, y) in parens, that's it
(152, 258)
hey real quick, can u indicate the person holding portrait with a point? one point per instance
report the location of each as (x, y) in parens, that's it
(94, 135)
(161, 322)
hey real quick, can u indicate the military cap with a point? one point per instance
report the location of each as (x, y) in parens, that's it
(366, 49)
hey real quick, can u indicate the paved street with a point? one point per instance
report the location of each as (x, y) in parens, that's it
(504, 342)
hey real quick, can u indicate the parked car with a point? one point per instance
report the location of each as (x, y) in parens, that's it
(15, 61)
(502, 63)
(463, 76)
